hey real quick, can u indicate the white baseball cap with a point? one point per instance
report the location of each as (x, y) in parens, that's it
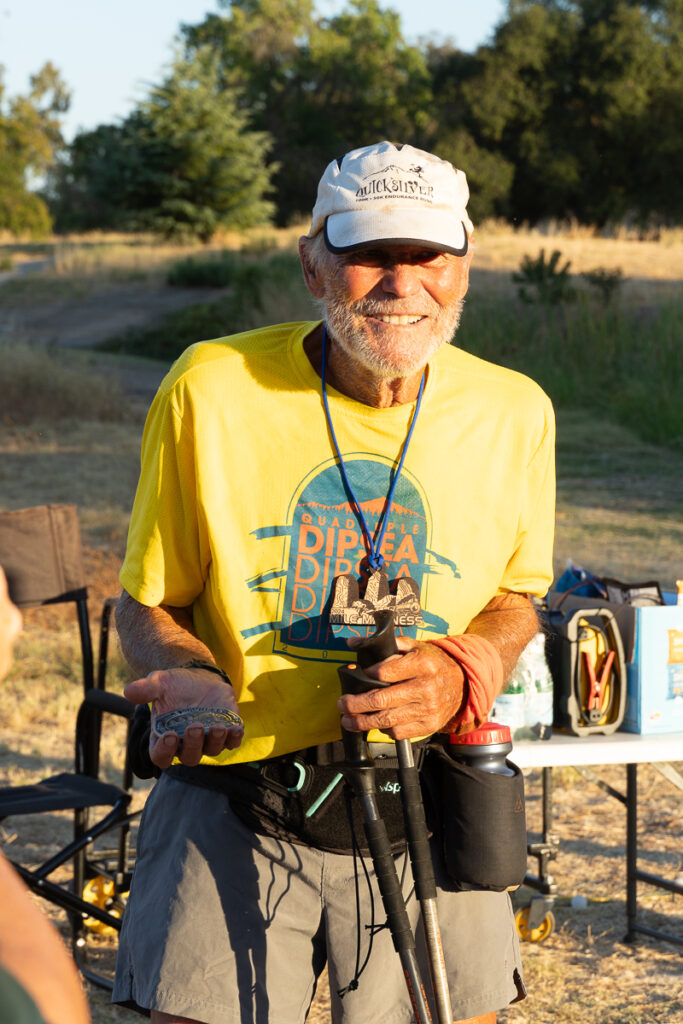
(392, 194)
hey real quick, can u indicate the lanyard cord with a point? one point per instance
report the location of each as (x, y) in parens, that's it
(375, 556)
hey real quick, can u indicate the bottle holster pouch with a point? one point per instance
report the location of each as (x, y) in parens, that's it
(479, 820)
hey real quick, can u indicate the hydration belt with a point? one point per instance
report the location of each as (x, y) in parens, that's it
(302, 797)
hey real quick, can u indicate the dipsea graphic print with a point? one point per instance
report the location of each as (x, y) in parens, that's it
(324, 540)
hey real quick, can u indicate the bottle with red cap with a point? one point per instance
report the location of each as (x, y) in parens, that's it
(485, 748)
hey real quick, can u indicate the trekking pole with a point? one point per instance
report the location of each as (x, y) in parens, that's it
(376, 648)
(360, 769)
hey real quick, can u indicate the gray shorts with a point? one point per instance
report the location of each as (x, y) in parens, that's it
(228, 927)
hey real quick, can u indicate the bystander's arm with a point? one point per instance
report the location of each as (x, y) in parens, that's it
(33, 953)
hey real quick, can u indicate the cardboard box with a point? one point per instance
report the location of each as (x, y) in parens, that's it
(655, 672)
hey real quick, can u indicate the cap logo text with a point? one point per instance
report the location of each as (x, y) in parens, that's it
(394, 181)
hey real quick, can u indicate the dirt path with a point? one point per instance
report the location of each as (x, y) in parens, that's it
(86, 321)
(106, 310)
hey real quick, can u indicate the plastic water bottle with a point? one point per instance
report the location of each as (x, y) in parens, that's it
(510, 706)
(539, 699)
(526, 705)
(484, 748)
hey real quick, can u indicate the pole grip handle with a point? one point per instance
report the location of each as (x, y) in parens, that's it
(376, 648)
(381, 645)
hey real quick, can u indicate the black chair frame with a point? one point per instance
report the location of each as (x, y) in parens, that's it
(82, 790)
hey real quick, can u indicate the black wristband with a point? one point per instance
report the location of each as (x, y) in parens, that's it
(209, 666)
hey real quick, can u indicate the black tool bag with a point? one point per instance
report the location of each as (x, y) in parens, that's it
(479, 820)
(581, 642)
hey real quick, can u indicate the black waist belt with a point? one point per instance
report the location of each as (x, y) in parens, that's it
(384, 754)
(297, 796)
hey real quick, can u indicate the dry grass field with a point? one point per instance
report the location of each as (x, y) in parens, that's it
(651, 258)
(618, 513)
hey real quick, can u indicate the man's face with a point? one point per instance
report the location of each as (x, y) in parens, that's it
(391, 307)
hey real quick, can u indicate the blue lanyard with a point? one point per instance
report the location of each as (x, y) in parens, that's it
(375, 556)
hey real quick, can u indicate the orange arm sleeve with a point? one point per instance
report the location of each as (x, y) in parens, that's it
(484, 677)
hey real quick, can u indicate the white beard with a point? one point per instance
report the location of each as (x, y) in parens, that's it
(397, 354)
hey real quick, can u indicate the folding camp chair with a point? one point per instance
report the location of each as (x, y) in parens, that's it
(40, 552)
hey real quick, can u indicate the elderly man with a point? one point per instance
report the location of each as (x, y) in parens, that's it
(294, 480)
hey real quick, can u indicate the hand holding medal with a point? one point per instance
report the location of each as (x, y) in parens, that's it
(194, 713)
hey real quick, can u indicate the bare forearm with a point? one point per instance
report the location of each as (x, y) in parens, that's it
(32, 952)
(157, 638)
(509, 622)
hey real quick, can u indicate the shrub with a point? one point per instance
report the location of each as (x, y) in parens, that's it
(204, 273)
(606, 282)
(271, 291)
(22, 212)
(551, 283)
(166, 339)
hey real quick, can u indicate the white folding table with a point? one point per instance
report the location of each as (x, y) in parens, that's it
(625, 748)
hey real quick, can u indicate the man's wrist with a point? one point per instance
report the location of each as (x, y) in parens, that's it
(207, 666)
(482, 668)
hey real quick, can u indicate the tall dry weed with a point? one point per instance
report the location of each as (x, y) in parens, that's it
(500, 247)
(46, 384)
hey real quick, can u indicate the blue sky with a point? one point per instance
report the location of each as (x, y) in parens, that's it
(108, 52)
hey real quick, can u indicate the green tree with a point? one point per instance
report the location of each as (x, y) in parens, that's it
(208, 168)
(258, 43)
(650, 122)
(318, 86)
(100, 183)
(574, 110)
(519, 102)
(455, 133)
(30, 138)
(183, 164)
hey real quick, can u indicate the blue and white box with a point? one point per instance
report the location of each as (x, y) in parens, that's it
(655, 675)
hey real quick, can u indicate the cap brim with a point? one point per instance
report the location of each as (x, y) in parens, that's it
(429, 229)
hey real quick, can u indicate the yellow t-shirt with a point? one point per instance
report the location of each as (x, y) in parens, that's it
(241, 512)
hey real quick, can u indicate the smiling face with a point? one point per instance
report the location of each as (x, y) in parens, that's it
(390, 307)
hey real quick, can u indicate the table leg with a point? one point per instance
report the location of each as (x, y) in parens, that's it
(633, 874)
(631, 850)
(545, 851)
